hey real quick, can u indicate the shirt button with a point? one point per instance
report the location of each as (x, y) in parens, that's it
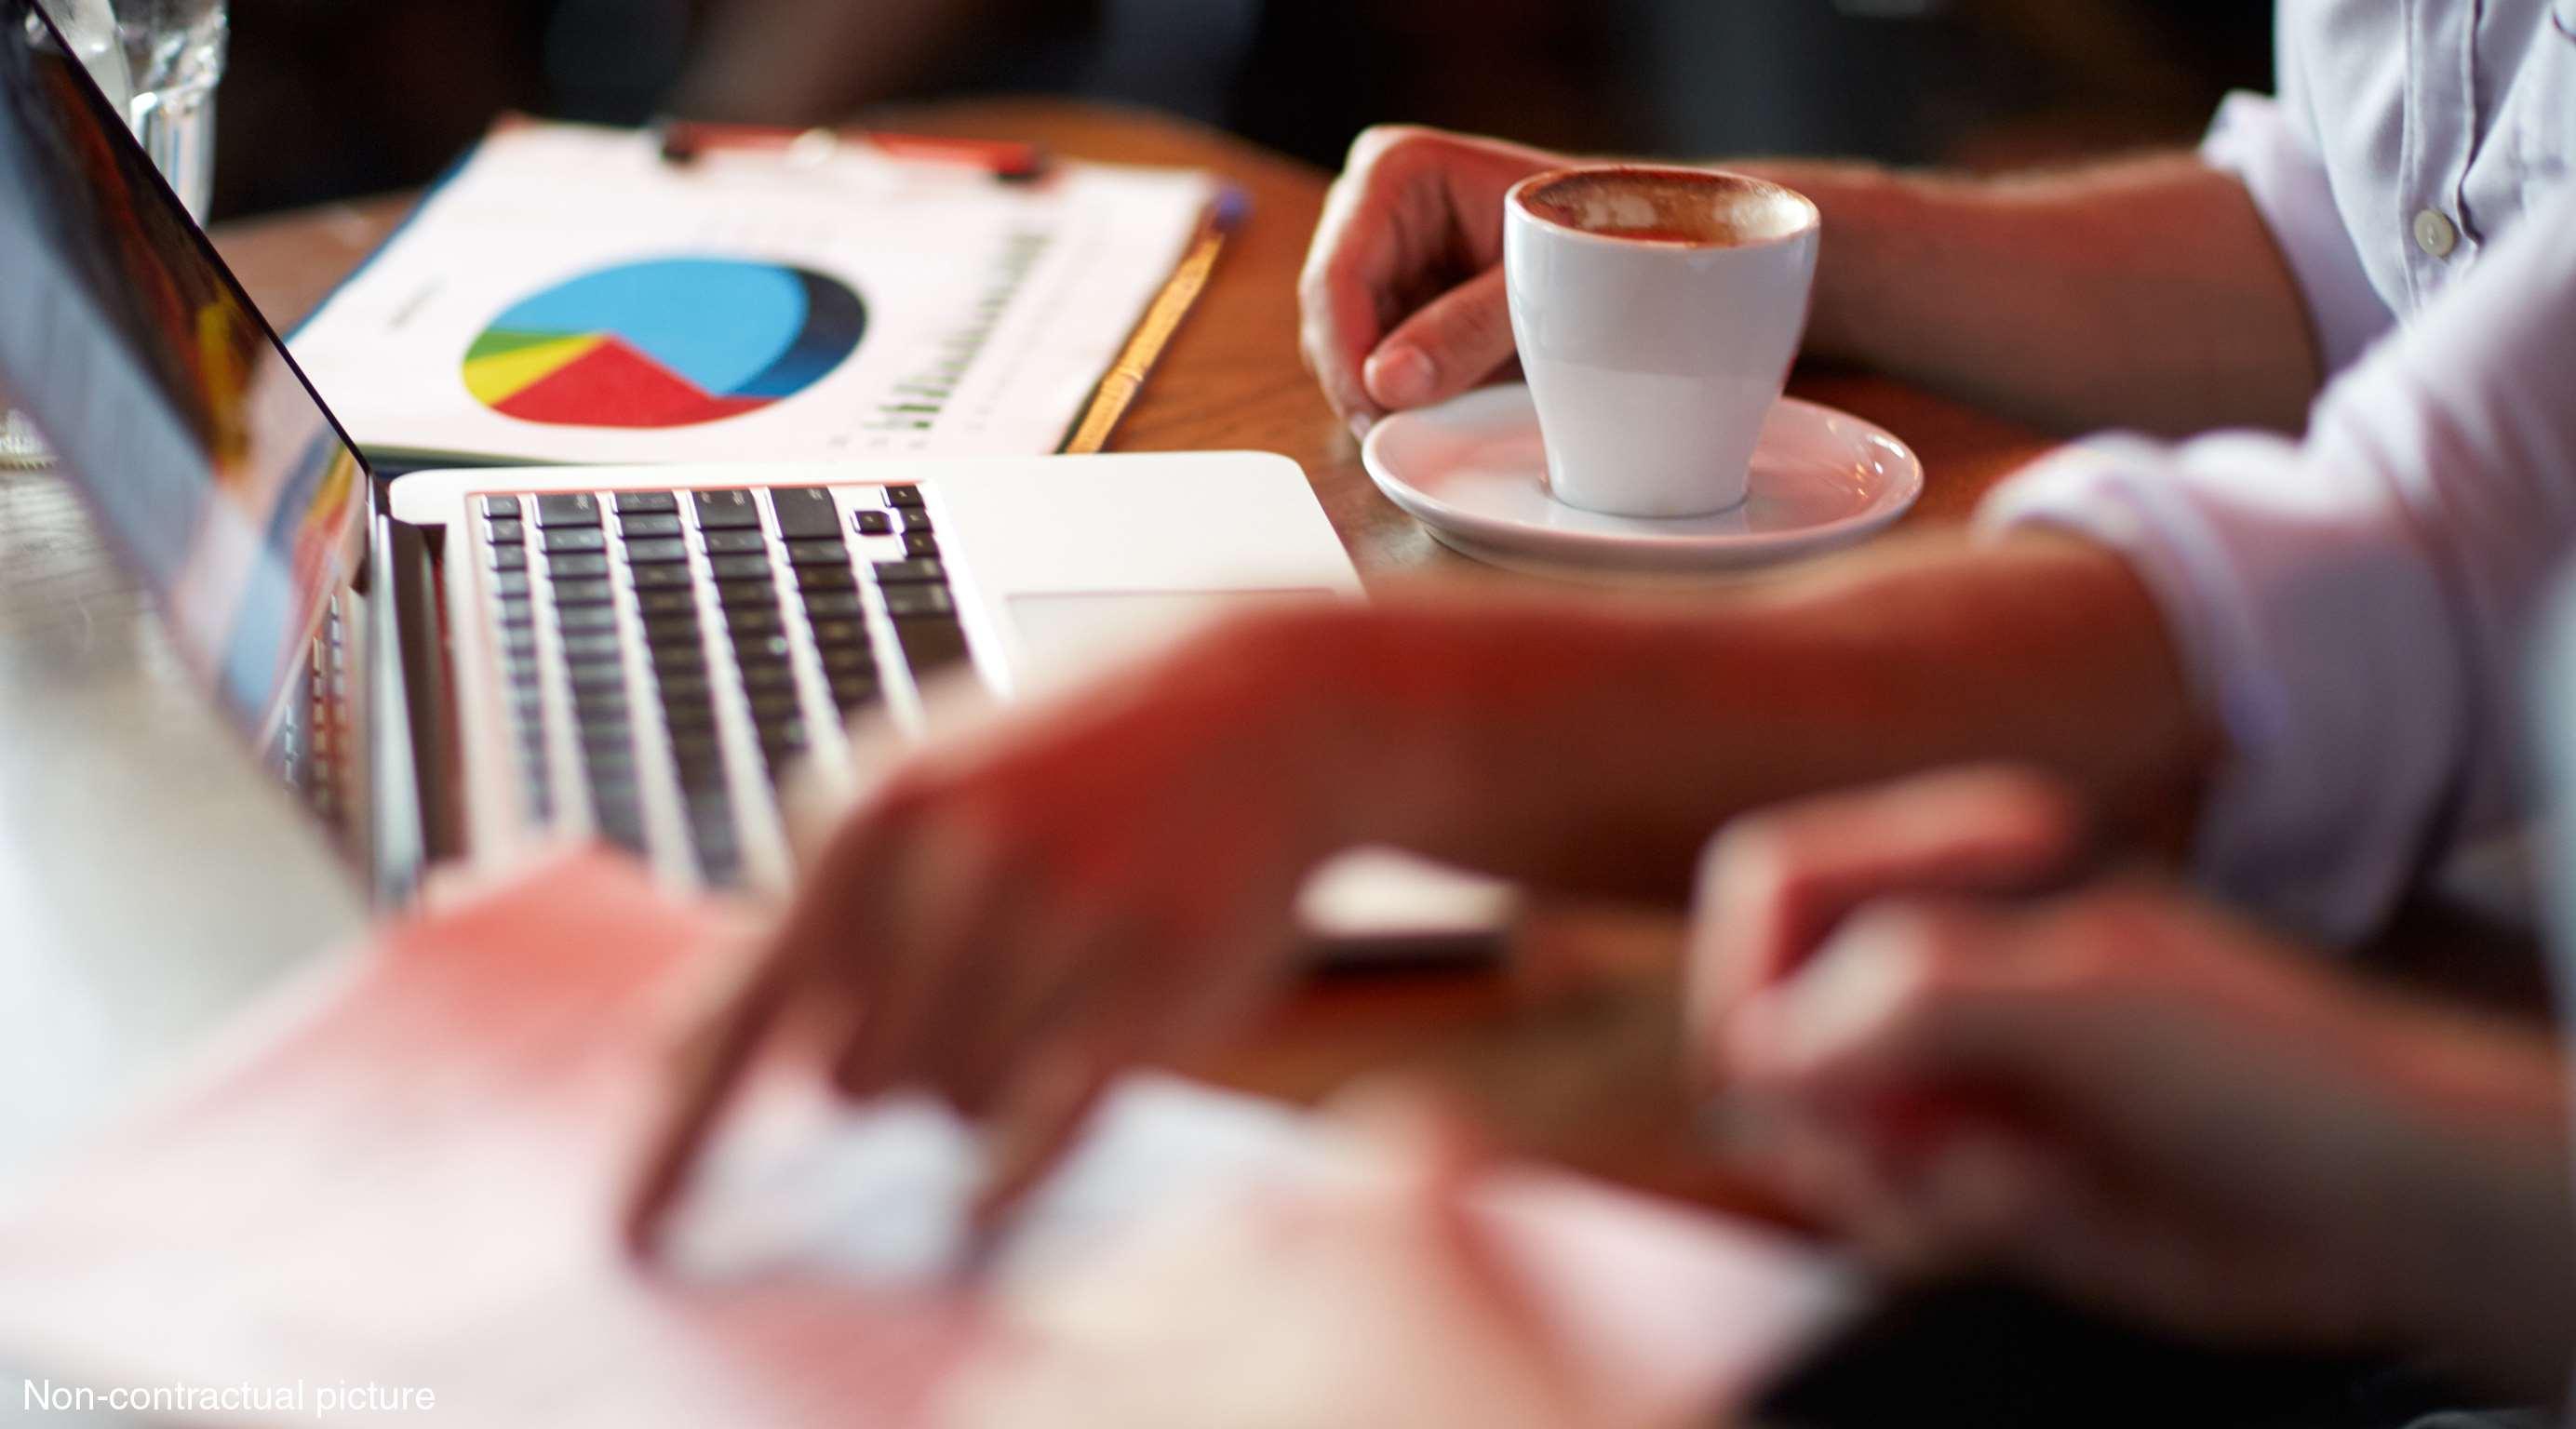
(2435, 234)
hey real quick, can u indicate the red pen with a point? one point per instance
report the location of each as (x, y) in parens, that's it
(685, 141)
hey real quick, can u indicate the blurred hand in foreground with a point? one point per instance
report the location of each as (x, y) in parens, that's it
(1378, 1298)
(1403, 289)
(2132, 1098)
(1018, 914)
(1778, 882)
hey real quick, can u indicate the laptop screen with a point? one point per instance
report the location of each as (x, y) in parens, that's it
(200, 449)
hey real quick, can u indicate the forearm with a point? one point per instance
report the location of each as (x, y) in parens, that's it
(1598, 747)
(2145, 294)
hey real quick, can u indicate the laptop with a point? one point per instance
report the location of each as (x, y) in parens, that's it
(466, 664)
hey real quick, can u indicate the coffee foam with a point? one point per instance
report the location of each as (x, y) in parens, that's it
(1670, 206)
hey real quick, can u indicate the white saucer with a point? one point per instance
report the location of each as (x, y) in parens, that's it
(1472, 470)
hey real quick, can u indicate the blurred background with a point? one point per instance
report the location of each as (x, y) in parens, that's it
(333, 98)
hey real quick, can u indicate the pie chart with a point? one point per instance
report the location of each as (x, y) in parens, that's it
(675, 342)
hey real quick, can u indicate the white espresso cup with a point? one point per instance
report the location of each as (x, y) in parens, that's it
(1657, 312)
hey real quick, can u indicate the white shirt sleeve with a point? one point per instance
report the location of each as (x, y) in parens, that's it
(2354, 609)
(2262, 142)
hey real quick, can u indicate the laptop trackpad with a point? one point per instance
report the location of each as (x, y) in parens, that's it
(1063, 636)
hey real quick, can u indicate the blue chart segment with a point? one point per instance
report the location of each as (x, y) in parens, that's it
(670, 343)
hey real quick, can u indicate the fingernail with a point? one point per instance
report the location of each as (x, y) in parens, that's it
(1402, 376)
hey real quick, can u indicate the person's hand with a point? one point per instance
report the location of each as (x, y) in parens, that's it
(1381, 1299)
(1403, 288)
(1021, 912)
(1777, 882)
(2132, 1098)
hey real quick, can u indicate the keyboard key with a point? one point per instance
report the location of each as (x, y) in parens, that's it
(855, 659)
(833, 604)
(596, 674)
(805, 512)
(682, 679)
(893, 572)
(920, 543)
(831, 633)
(784, 734)
(757, 677)
(607, 736)
(677, 623)
(872, 523)
(522, 666)
(501, 508)
(767, 705)
(666, 602)
(692, 719)
(678, 654)
(518, 612)
(736, 543)
(656, 503)
(753, 620)
(657, 578)
(586, 566)
(905, 601)
(727, 511)
(510, 583)
(761, 649)
(658, 550)
(904, 496)
(696, 749)
(930, 645)
(505, 533)
(582, 592)
(917, 523)
(739, 568)
(590, 647)
(608, 751)
(640, 528)
(818, 553)
(519, 642)
(569, 539)
(509, 558)
(835, 577)
(736, 595)
(568, 508)
(850, 692)
(586, 617)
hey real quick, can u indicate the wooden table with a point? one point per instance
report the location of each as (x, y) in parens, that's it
(1585, 1074)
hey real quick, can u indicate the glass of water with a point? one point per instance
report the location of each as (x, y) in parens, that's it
(160, 60)
(174, 54)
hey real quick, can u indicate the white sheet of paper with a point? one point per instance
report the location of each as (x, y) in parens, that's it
(407, 1176)
(992, 309)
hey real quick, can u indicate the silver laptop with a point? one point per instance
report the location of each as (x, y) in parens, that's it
(461, 664)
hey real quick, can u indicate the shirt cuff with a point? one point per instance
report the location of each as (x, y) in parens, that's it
(2256, 141)
(2287, 612)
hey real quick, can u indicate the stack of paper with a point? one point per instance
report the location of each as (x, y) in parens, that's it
(569, 296)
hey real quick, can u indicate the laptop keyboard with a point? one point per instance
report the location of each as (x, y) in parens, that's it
(662, 643)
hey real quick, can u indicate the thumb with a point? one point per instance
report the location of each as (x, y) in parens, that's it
(1452, 344)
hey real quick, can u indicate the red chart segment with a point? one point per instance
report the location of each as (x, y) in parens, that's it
(615, 385)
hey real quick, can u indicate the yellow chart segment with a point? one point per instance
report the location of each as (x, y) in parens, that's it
(496, 379)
